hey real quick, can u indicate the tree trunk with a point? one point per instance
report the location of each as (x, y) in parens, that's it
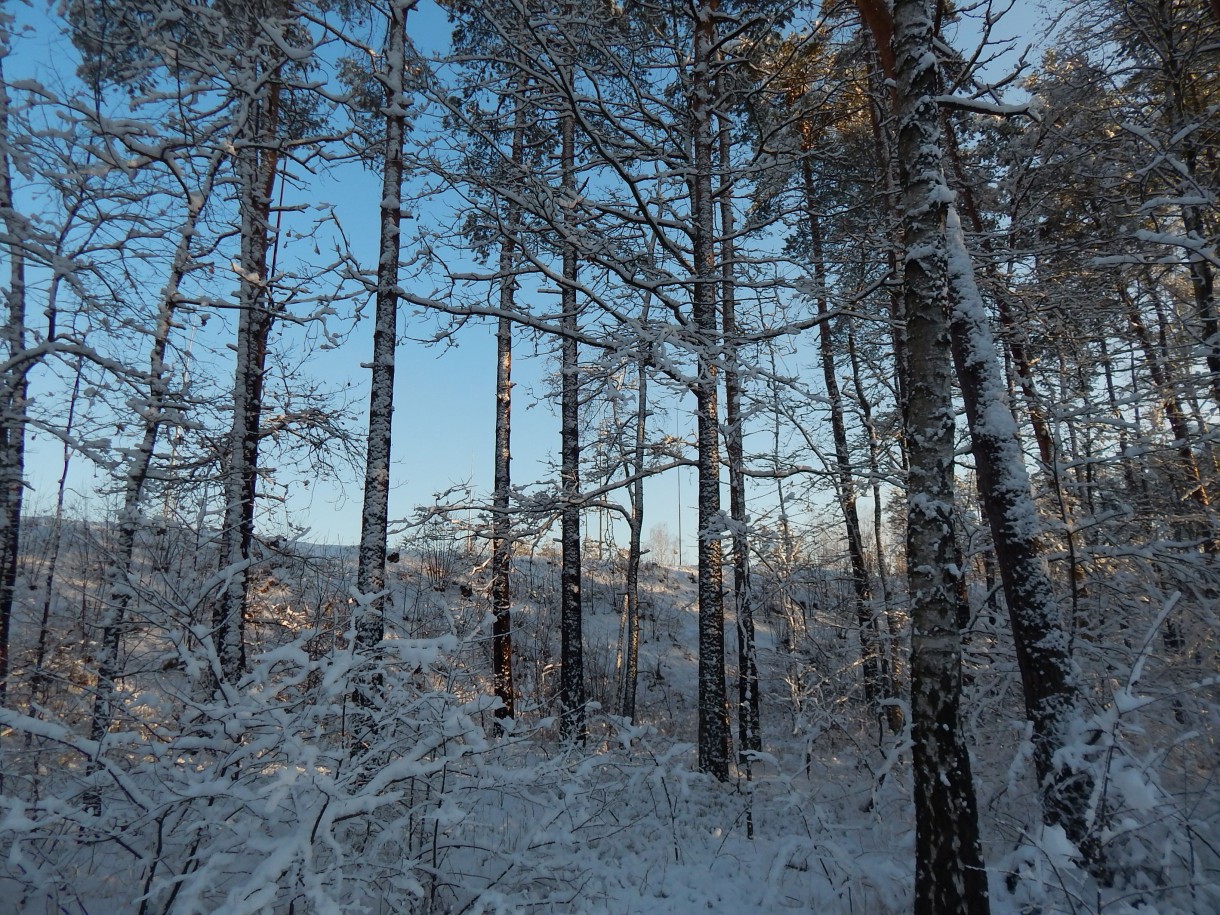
(891, 658)
(501, 527)
(748, 712)
(631, 625)
(13, 403)
(1016, 347)
(949, 875)
(713, 701)
(845, 485)
(257, 160)
(374, 517)
(1043, 651)
(573, 722)
(370, 570)
(120, 583)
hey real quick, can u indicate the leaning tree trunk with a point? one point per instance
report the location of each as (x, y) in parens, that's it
(1043, 651)
(153, 410)
(949, 875)
(845, 486)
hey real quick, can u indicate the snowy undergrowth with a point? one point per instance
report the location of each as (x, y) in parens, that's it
(261, 800)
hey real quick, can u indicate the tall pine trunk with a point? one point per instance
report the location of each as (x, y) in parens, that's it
(949, 875)
(713, 701)
(374, 519)
(749, 729)
(501, 525)
(257, 161)
(370, 570)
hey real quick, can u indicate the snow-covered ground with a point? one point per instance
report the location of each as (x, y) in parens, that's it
(257, 802)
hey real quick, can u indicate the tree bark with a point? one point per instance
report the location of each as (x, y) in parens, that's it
(949, 875)
(713, 737)
(257, 159)
(501, 528)
(573, 722)
(1043, 650)
(749, 728)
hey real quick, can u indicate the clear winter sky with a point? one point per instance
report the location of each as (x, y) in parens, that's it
(444, 395)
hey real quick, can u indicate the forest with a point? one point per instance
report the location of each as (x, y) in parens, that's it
(919, 294)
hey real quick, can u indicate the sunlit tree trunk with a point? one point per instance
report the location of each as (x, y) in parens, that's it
(749, 733)
(501, 526)
(374, 518)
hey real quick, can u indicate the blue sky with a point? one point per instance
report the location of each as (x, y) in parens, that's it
(444, 394)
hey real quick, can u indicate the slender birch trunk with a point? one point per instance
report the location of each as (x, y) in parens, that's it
(631, 624)
(120, 575)
(845, 485)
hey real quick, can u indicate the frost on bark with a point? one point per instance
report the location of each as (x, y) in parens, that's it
(154, 411)
(370, 571)
(713, 701)
(749, 728)
(949, 876)
(501, 525)
(573, 721)
(257, 159)
(1043, 651)
(371, 557)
